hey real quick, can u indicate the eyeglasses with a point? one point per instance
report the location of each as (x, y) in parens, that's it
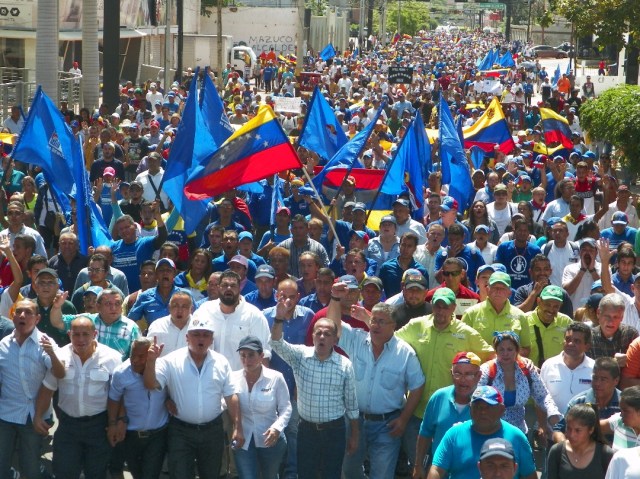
(378, 322)
(464, 375)
(95, 270)
(451, 273)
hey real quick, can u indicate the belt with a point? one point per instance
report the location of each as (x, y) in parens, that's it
(379, 417)
(65, 416)
(203, 425)
(147, 433)
(321, 426)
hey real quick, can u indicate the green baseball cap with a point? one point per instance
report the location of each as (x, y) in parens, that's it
(500, 277)
(552, 292)
(444, 294)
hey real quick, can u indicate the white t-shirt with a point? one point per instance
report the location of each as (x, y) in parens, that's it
(488, 253)
(625, 464)
(559, 258)
(583, 291)
(501, 217)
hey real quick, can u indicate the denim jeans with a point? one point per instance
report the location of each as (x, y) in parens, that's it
(81, 444)
(266, 460)
(28, 454)
(290, 469)
(379, 446)
(410, 438)
(144, 455)
(320, 452)
(189, 443)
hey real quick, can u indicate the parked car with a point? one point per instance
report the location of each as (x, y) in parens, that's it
(547, 51)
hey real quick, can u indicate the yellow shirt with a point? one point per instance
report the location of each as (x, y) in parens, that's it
(436, 349)
(552, 336)
(483, 318)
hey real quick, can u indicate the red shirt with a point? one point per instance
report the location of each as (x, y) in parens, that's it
(354, 323)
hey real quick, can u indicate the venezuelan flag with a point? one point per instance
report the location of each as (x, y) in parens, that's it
(556, 128)
(7, 140)
(260, 148)
(490, 130)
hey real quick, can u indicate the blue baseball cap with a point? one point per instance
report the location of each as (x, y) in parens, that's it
(350, 280)
(488, 394)
(448, 204)
(245, 235)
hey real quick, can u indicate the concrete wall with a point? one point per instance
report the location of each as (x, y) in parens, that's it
(257, 27)
(553, 36)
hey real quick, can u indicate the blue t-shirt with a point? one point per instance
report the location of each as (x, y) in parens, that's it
(391, 275)
(445, 241)
(128, 258)
(441, 414)
(259, 302)
(459, 450)
(517, 261)
(277, 238)
(151, 305)
(629, 235)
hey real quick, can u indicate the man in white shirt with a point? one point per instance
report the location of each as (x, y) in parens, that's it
(152, 180)
(569, 373)
(501, 209)
(197, 380)
(80, 442)
(15, 122)
(153, 94)
(15, 219)
(560, 207)
(560, 251)
(171, 330)
(402, 213)
(233, 319)
(578, 277)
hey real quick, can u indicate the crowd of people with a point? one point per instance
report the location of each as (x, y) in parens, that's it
(321, 345)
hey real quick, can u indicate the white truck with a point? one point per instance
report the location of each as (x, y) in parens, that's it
(202, 50)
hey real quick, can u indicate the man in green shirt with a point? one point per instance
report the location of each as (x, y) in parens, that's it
(547, 325)
(437, 338)
(497, 314)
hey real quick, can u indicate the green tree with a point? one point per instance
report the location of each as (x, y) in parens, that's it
(615, 116)
(414, 16)
(610, 20)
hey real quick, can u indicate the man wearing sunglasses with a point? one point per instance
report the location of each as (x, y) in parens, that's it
(454, 272)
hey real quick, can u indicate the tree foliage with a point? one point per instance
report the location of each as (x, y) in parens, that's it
(414, 16)
(615, 116)
(610, 20)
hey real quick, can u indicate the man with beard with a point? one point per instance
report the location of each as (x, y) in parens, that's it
(410, 303)
(107, 159)
(233, 319)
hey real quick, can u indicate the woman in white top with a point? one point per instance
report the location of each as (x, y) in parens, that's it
(266, 409)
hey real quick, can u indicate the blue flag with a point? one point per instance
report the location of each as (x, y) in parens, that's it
(507, 60)
(347, 156)
(459, 121)
(193, 146)
(213, 111)
(322, 132)
(569, 67)
(328, 52)
(556, 77)
(410, 166)
(47, 141)
(477, 157)
(455, 169)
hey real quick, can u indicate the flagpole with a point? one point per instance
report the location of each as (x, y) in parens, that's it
(331, 226)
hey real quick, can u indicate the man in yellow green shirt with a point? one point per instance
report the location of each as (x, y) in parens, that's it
(547, 325)
(496, 313)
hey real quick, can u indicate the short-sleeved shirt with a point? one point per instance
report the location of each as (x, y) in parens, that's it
(517, 261)
(551, 335)
(619, 342)
(391, 275)
(563, 383)
(441, 414)
(198, 393)
(459, 450)
(128, 258)
(633, 360)
(483, 318)
(624, 437)
(436, 349)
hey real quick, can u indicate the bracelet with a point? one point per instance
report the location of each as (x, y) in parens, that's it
(333, 298)
(278, 321)
(592, 271)
(124, 419)
(583, 270)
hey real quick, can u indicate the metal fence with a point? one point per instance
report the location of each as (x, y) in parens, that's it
(18, 86)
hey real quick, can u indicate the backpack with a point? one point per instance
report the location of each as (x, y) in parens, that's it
(493, 371)
(574, 246)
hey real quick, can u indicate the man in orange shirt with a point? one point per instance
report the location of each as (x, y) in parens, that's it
(564, 85)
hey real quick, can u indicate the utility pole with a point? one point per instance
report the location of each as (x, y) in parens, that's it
(167, 47)
(220, 58)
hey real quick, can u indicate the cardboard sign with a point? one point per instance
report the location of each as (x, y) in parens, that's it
(287, 105)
